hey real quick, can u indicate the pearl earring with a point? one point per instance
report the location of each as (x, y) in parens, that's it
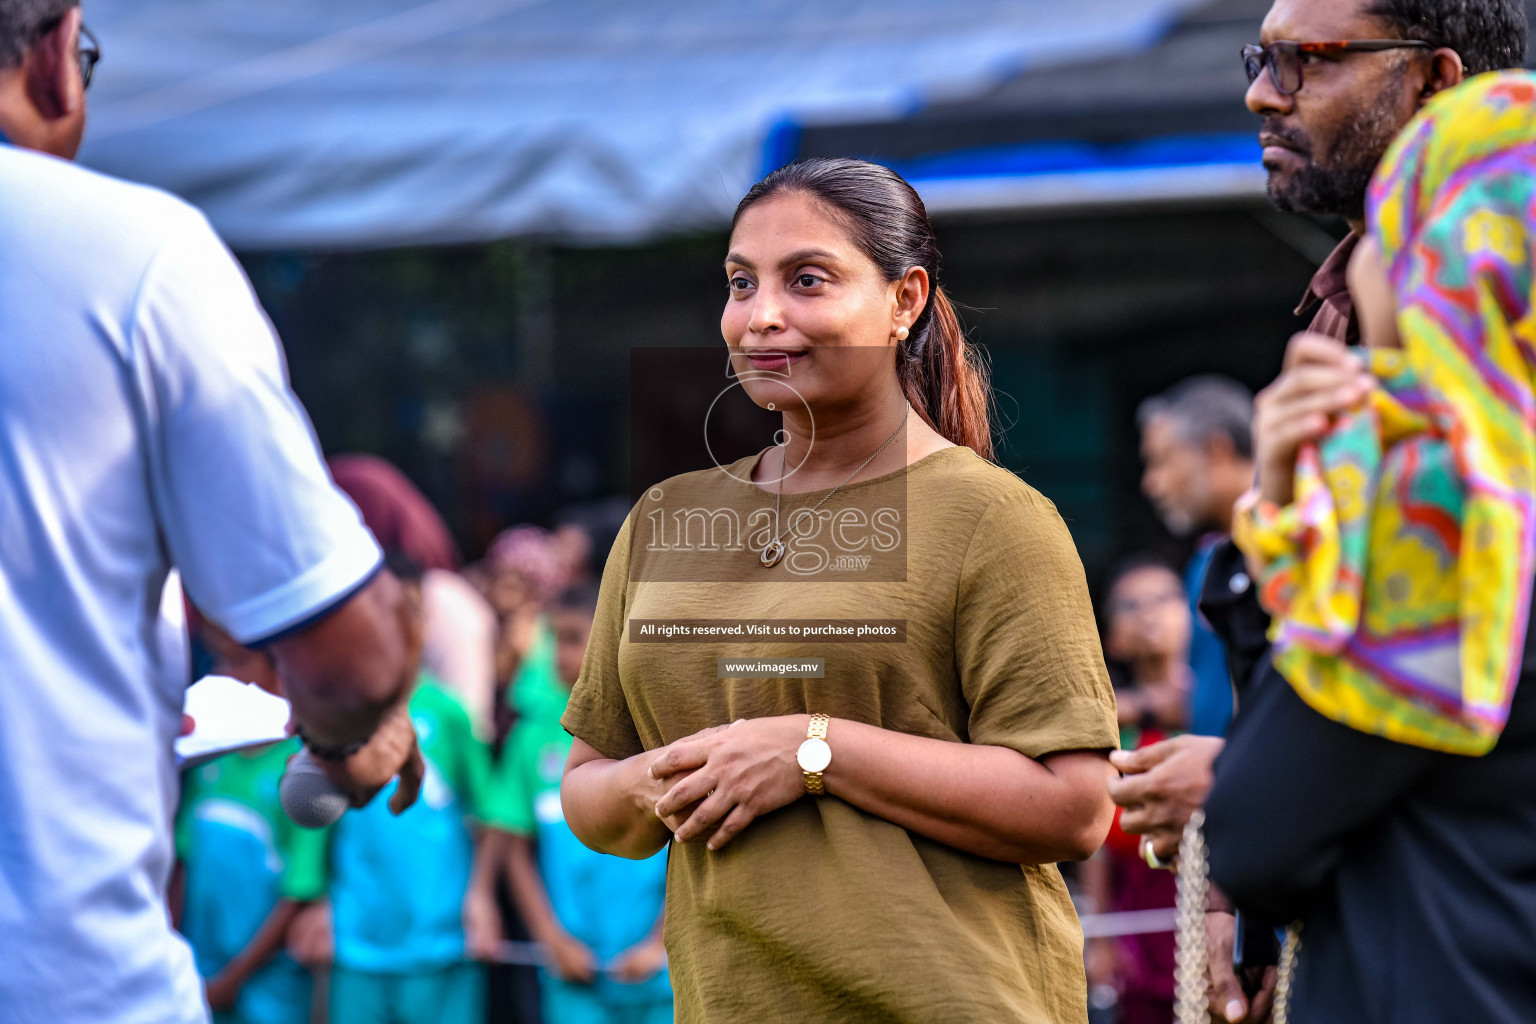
(901, 334)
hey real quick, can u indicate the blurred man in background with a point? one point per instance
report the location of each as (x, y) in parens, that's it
(145, 423)
(1197, 445)
(1147, 627)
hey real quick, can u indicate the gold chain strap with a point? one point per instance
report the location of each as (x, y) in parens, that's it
(1191, 956)
(1286, 973)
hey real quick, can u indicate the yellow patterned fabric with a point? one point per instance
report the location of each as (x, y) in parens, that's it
(1400, 577)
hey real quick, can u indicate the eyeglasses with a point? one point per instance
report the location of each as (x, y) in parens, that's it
(89, 55)
(87, 51)
(1285, 59)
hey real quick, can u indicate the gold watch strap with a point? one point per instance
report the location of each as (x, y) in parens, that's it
(814, 784)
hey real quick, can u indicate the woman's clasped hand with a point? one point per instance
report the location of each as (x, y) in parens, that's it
(718, 781)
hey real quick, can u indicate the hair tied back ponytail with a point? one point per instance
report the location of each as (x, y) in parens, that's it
(942, 374)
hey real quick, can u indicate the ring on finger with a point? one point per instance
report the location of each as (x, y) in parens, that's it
(1149, 855)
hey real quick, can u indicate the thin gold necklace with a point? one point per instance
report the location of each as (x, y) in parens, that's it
(774, 550)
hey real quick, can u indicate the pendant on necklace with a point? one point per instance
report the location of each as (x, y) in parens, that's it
(772, 553)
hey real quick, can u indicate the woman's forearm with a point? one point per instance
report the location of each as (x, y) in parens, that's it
(611, 805)
(990, 801)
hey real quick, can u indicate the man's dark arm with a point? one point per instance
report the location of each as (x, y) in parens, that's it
(344, 672)
(1290, 789)
(346, 678)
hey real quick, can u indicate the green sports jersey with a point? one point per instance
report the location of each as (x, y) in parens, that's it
(457, 755)
(536, 692)
(249, 779)
(242, 855)
(608, 903)
(530, 768)
(398, 881)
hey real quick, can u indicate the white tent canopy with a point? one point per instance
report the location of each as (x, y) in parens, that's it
(361, 123)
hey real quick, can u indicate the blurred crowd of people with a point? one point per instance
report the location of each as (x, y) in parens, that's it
(1367, 603)
(394, 918)
(1170, 670)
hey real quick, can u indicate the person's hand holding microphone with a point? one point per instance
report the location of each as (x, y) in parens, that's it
(316, 792)
(346, 678)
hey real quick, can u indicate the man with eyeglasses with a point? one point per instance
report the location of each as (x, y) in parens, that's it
(146, 424)
(42, 104)
(1334, 82)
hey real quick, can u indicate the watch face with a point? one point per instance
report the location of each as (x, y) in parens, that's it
(814, 755)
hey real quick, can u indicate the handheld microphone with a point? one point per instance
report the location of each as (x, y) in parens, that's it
(308, 795)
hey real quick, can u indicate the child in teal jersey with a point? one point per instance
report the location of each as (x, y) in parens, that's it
(245, 869)
(600, 917)
(412, 905)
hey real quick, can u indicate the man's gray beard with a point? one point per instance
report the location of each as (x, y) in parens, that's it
(1339, 189)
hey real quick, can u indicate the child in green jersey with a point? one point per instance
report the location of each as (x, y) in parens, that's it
(412, 903)
(600, 917)
(245, 868)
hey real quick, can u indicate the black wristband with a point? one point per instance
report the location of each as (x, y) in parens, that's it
(337, 754)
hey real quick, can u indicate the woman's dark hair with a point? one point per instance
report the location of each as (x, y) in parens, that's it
(941, 372)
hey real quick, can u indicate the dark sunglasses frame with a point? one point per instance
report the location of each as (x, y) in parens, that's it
(1282, 58)
(87, 52)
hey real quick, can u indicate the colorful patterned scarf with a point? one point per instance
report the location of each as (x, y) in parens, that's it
(1400, 577)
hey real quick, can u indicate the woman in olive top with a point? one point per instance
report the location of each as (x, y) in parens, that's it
(875, 842)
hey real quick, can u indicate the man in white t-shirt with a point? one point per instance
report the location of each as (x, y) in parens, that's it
(146, 423)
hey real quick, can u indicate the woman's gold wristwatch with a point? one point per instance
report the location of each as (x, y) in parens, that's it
(814, 754)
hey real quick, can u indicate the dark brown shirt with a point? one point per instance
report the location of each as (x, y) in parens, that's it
(1329, 295)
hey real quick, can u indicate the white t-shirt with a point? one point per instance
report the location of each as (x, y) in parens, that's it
(145, 422)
